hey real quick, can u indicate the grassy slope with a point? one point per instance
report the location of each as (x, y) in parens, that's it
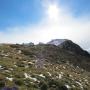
(56, 71)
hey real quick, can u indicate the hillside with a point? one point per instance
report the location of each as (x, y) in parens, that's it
(43, 67)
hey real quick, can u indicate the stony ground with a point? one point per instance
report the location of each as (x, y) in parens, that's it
(27, 73)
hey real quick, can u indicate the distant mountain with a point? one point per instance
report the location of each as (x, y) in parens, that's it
(69, 45)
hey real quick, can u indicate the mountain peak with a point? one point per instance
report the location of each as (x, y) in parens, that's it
(69, 46)
(57, 41)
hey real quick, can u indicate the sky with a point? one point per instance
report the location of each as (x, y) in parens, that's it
(24, 21)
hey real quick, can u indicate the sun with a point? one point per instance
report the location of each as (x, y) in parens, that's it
(53, 11)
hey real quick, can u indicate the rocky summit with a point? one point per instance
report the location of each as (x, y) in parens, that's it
(57, 41)
(58, 65)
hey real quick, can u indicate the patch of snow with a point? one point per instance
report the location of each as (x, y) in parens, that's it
(49, 73)
(10, 79)
(60, 76)
(56, 67)
(7, 71)
(81, 86)
(62, 73)
(70, 75)
(15, 66)
(28, 76)
(34, 79)
(77, 66)
(11, 69)
(68, 86)
(1, 67)
(24, 61)
(30, 63)
(5, 55)
(41, 75)
(56, 42)
(64, 67)
(86, 80)
(19, 51)
(73, 86)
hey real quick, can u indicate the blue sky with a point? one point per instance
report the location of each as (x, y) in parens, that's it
(23, 12)
(43, 20)
(19, 12)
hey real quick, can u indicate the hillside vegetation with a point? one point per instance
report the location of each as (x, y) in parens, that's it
(43, 67)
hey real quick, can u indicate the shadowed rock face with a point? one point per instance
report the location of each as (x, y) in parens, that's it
(70, 46)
